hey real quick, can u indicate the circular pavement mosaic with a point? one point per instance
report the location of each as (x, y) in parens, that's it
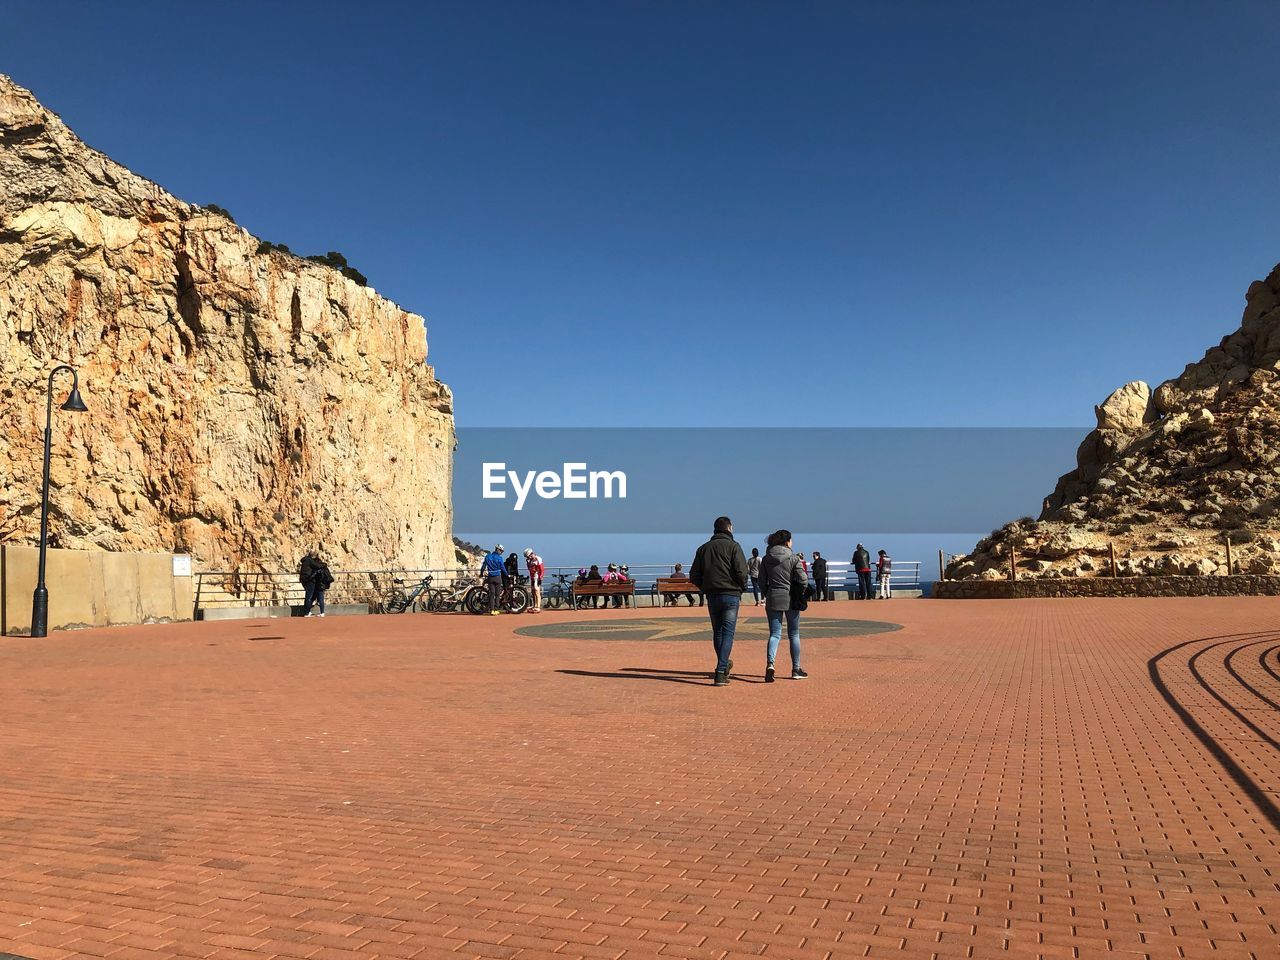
(750, 627)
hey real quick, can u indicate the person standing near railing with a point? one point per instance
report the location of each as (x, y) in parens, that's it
(862, 565)
(819, 576)
(315, 577)
(493, 569)
(537, 570)
(884, 568)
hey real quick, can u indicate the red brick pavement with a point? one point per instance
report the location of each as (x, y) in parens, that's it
(996, 779)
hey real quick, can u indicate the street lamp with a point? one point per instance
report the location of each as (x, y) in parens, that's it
(40, 599)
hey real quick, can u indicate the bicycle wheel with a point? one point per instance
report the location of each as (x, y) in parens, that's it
(434, 601)
(476, 600)
(518, 600)
(554, 598)
(396, 602)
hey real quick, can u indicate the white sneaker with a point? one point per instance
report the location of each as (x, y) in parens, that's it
(322, 613)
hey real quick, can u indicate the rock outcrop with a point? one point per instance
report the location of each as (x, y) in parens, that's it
(243, 406)
(1170, 475)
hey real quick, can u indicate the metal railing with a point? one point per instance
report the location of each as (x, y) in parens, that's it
(264, 589)
(215, 589)
(905, 575)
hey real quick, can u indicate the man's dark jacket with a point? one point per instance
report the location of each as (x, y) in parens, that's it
(861, 560)
(719, 566)
(819, 568)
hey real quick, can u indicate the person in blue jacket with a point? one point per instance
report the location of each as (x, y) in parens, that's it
(493, 569)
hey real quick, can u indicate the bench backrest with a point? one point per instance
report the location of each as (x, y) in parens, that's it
(598, 587)
(675, 585)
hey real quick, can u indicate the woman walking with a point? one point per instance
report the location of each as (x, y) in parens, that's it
(784, 584)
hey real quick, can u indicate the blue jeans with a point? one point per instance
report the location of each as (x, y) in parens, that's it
(864, 585)
(793, 634)
(723, 608)
(315, 597)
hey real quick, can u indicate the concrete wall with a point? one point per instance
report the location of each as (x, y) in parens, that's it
(91, 588)
(1238, 585)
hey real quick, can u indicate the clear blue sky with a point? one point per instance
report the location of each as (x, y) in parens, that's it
(979, 214)
(903, 213)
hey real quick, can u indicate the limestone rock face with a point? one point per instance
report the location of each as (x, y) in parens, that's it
(243, 406)
(1169, 475)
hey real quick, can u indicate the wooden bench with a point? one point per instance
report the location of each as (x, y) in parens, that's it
(665, 587)
(598, 588)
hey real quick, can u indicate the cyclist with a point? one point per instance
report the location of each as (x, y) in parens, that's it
(536, 572)
(494, 571)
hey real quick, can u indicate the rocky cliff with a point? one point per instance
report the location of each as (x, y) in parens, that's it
(244, 406)
(1169, 475)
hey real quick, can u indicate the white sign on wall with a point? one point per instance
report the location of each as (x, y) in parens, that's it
(182, 565)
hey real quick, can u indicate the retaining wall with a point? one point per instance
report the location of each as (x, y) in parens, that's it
(91, 588)
(1237, 585)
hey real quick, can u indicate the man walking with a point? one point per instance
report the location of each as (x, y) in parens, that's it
(862, 564)
(753, 571)
(884, 567)
(820, 577)
(493, 568)
(719, 570)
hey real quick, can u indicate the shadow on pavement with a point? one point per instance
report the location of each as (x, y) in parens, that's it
(656, 673)
(744, 677)
(669, 678)
(1256, 792)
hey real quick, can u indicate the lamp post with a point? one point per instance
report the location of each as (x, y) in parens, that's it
(40, 599)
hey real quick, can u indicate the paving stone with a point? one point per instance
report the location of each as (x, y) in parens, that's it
(1032, 778)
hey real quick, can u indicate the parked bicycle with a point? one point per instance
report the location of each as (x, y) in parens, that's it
(558, 594)
(462, 594)
(419, 598)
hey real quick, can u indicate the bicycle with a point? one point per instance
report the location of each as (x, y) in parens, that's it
(459, 596)
(514, 597)
(559, 594)
(397, 601)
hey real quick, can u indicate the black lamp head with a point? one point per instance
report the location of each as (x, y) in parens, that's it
(73, 402)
